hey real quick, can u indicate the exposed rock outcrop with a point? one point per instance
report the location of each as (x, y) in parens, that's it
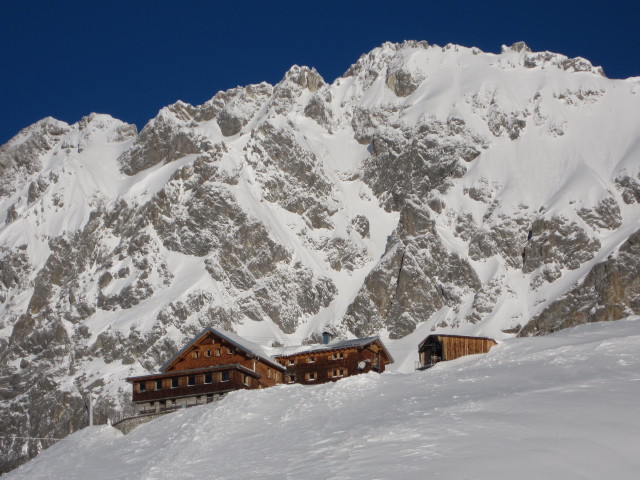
(610, 291)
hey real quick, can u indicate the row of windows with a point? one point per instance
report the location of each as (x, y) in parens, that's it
(313, 376)
(338, 372)
(212, 352)
(312, 359)
(190, 381)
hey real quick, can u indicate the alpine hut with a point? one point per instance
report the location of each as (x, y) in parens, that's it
(212, 364)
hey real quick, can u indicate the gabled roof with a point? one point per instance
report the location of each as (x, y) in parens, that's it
(453, 336)
(250, 348)
(356, 342)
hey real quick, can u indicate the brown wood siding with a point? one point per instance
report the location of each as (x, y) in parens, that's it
(376, 357)
(324, 364)
(209, 342)
(436, 348)
(456, 347)
(261, 375)
(268, 377)
(212, 343)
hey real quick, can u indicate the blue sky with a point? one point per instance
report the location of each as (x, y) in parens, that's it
(130, 58)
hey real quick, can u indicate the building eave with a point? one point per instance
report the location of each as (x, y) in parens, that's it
(179, 373)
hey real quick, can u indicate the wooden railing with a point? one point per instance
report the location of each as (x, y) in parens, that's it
(118, 416)
(194, 390)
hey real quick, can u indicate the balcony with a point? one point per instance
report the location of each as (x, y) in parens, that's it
(235, 382)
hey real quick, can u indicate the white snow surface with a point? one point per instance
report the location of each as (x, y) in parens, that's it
(564, 406)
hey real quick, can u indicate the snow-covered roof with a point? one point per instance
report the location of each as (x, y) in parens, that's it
(240, 343)
(335, 345)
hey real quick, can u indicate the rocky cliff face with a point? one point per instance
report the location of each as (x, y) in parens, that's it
(429, 188)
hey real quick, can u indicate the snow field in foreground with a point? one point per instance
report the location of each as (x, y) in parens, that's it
(565, 406)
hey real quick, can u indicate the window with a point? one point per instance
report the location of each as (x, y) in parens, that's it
(207, 353)
(277, 377)
(208, 378)
(268, 373)
(338, 372)
(225, 376)
(230, 350)
(254, 365)
(246, 380)
(290, 378)
(311, 360)
(218, 352)
(337, 356)
(175, 382)
(195, 354)
(158, 384)
(292, 361)
(142, 387)
(191, 381)
(311, 376)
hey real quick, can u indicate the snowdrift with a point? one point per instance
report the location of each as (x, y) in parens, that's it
(563, 406)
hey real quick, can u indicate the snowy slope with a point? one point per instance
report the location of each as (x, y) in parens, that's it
(427, 189)
(561, 406)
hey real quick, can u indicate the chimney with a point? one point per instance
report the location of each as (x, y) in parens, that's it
(326, 337)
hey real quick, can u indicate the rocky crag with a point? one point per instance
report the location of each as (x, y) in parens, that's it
(428, 188)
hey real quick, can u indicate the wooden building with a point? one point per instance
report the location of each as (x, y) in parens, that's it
(438, 348)
(332, 361)
(214, 363)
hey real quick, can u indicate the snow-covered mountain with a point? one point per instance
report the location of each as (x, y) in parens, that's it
(560, 406)
(427, 189)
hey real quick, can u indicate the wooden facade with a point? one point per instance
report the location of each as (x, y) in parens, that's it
(211, 365)
(333, 361)
(438, 348)
(217, 362)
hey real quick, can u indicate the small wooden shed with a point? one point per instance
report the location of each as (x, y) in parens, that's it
(438, 348)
